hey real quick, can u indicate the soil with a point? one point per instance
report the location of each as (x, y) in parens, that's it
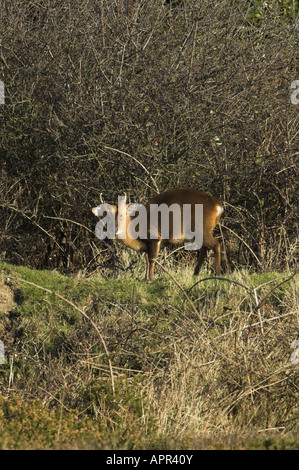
(8, 316)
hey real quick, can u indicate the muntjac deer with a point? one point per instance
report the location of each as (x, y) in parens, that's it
(151, 236)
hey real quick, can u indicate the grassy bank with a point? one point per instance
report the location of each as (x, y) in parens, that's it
(129, 365)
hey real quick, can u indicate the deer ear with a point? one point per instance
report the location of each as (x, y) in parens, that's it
(99, 210)
(131, 209)
(95, 210)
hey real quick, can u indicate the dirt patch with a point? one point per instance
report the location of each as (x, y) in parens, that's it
(8, 304)
(7, 298)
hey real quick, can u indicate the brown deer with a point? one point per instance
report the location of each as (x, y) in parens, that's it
(151, 238)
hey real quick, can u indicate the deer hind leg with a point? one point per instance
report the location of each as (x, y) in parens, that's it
(214, 245)
(217, 257)
(147, 266)
(152, 254)
(201, 256)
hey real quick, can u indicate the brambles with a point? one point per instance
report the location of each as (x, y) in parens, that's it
(114, 97)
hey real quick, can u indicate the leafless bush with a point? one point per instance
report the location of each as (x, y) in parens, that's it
(198, 93)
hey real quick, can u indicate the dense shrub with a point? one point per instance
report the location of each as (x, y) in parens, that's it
(140, 96)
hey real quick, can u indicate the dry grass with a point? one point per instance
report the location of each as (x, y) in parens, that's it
(215, 371)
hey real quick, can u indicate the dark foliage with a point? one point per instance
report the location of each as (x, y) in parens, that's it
(139, 96)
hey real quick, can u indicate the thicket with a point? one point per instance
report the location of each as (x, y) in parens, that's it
(138, 97)
(214, 370)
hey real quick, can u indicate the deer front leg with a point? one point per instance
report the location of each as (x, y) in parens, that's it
(147, 266)
(153, 250)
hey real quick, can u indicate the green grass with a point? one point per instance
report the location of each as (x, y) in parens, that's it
(206, 371)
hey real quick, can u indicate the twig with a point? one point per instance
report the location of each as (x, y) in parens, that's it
(133, 304)
(152, 31)
(84, 315)
(267, 320)
(8, 206)
(55, 398)
(224, 247)
(180, 248)
(184, 292)
(63, 219)
(164, 375)
(192, 53)
(275, 287)
(137, 161)
(247, 246)
(234, 282)
(220, 279)
(11, 374)
(258, 310)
